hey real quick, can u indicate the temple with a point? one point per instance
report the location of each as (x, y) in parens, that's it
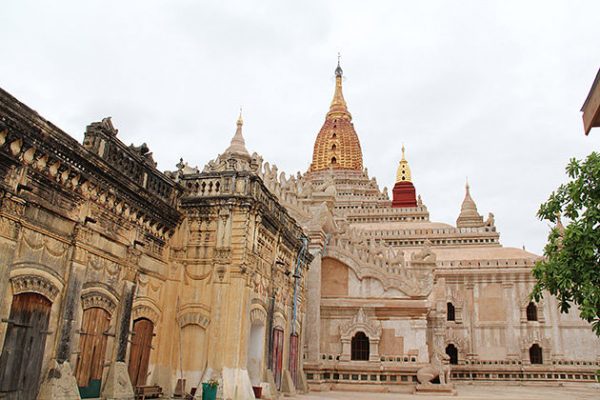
(121, 280)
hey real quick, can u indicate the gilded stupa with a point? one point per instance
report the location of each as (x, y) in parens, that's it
(337, 145)
(404, 193)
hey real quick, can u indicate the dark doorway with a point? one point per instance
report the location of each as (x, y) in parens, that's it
(92, 350)
(452, 352)
(139, 355)
(532, 312)
(23, 350)
(535, 354)
(360, 347)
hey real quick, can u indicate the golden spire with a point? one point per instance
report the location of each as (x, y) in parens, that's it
(338, 108)
(403, 172)
(337, 145)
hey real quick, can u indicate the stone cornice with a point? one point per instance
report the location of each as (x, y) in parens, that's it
(243, 189)
(28, 140)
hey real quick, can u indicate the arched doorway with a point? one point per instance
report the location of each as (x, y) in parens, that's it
(452, 352)
(92, 350)
(256, 351)
(359, 347)
(23, 350)
(535, 354)
(139, 355)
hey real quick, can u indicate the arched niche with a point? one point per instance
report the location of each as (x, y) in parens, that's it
(370, 328)
(256, 343)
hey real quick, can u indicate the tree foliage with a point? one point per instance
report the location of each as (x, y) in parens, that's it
(571, 267)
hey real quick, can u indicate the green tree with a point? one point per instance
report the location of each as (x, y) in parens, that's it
(570, 269)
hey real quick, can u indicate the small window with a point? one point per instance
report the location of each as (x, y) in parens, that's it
(333, 147)
(333, 136)
(360, 347)
(535, 354)
(333, 160)
(450, 313)
(532, 312)
(452, 352)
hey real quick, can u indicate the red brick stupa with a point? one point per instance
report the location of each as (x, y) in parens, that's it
(404, 193)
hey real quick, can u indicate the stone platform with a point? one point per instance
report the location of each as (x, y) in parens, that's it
(476, 392)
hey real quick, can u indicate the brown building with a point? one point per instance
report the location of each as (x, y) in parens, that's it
(115, 275)
(591, 107)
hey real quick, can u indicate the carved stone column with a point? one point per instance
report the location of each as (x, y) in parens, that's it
(374, 349)
(60, 382)
(118, 385)
(313, 309)
(346, 349)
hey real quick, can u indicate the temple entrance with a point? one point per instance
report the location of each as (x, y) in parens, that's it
(23, 350)
(360, 347)
(277, 361)
(92, 349)
(452, 352)
(535, 354)
(139, 356)
(256, 350)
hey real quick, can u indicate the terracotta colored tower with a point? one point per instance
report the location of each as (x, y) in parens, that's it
(337, 144)
(404, 193)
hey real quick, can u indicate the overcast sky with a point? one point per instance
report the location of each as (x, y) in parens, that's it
(488, 90)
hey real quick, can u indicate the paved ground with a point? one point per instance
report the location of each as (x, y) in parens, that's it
(478, 392)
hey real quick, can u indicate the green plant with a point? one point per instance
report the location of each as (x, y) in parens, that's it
(212, 383)
(570, 269)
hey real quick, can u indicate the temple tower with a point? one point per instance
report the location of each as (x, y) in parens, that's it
(337, 145)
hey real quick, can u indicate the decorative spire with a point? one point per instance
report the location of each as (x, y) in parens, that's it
(403, 172)
(337, 145)
(338, 108)
(238, 144)
(469, 217)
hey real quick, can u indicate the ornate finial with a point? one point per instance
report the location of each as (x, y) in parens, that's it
(338, 71)
(338, 107)
(403, 173)
(240, 120)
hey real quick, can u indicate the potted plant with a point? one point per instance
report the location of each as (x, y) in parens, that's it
(209, 389)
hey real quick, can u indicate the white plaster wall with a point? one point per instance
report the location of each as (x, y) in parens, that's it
(330, 337)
